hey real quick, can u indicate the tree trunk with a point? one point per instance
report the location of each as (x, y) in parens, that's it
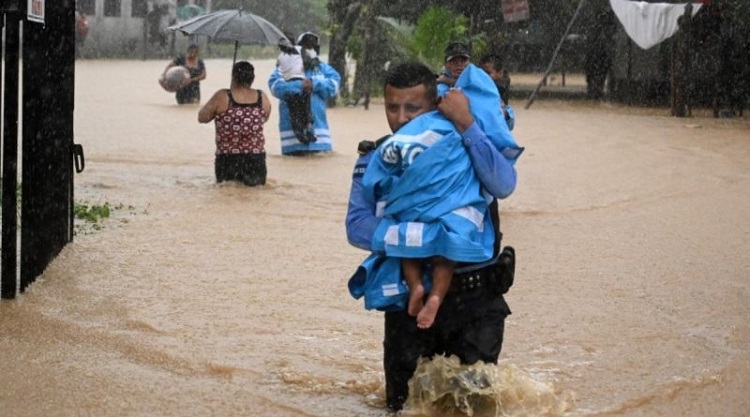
(680, 66)
(344, 14)
(367, 63)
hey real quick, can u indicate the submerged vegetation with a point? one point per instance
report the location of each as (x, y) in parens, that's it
(88, 217)
(92, 217)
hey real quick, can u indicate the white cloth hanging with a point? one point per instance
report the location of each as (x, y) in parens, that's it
(648, 24)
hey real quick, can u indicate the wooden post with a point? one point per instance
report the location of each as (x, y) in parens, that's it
(530, 100)
(680, 66)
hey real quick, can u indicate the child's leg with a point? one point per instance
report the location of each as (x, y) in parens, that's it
(412, 271)
(297, 114)
(308, 109)
(306, 99)
(442, 274)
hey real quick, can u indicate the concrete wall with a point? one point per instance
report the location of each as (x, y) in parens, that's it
(126, 36)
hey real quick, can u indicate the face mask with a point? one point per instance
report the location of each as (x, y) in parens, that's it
(310, 58)
(311, 53)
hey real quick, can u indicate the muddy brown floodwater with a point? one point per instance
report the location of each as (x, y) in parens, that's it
(631, 294)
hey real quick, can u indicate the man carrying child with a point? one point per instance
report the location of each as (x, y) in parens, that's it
(291, 65)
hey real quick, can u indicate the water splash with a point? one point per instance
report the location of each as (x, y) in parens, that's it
(443, 386)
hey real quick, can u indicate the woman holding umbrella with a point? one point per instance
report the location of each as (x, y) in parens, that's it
(323, 82)
(239, 113)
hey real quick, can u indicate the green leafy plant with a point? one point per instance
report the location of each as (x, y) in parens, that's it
(91, 217)
(426, 41)
(436, 28)
(91, 213)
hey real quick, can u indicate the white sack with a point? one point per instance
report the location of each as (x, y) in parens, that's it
(648, 24)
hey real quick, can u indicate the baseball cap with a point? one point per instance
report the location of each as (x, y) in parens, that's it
(457, 49)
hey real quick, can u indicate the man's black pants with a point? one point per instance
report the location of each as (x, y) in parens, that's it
(469, 325)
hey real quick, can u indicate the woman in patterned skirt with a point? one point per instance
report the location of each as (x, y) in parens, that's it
(239, 114)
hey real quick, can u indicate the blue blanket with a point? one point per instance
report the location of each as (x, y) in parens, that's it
(429, 198)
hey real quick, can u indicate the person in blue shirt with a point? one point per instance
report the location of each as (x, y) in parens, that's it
(492, 64)
(322, 81)
(470, 321)
(457, 58)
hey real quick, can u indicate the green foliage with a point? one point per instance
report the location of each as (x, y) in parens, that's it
(436, 28)
(401, 35)
(480, 45)
(91, 217)
(91, 213)
(354, 47)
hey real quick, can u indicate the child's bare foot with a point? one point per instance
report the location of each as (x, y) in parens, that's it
(427, 315)
(415, 300)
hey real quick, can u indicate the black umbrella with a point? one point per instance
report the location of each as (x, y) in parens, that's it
(232, 25)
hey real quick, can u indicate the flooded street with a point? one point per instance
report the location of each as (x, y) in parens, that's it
(194, 299)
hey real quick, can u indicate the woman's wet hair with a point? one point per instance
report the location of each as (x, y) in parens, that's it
(192, 46)
(243, 73)
(411, 74)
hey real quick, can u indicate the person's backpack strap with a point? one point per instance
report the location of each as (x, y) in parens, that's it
(494, 209)
(366, 146)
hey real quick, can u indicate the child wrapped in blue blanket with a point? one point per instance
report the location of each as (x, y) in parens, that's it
(431, 202)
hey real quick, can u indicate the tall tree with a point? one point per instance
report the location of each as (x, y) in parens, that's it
(344, 14)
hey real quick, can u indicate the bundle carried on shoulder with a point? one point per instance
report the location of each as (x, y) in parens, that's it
(175, 79)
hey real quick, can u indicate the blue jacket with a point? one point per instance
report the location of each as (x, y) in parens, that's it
(443, 88)
(494, 170)
(325, 81)
(428, 195)
(452, 220)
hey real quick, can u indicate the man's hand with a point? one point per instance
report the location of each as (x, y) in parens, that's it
(307, 85)
(365, 147)
(454, 105)
(442, 78)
